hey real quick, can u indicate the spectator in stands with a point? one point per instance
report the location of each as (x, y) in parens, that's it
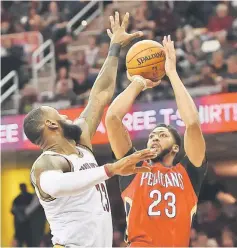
(91, 51)
(227, 238)
(81, 86)
(54, 22)
(230, 77)
(28, 97)
(35, 22)
(197, 49)
(222, 20)
(79, 63)
(62, 74)
(101, 56)
(207, 78)
(140, 21)
(64, 92)
(226, 45)
(62, 56)
(166, 21)
(201, 240)
(211, 219)
(6, 20)
(218, 64)
(21, 223)
(179, 39)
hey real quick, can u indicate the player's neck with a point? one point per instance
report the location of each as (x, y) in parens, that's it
(167, 161)
(60, 145)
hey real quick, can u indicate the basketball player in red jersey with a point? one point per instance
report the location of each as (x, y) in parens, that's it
(160, 204)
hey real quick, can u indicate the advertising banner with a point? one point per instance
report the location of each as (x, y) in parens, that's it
(218, 114)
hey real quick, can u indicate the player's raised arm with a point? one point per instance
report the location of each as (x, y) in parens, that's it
(117, 133)
(104, 86)
(194, 143)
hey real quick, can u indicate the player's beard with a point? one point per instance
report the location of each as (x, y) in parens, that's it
(71, 131)
(161, 156)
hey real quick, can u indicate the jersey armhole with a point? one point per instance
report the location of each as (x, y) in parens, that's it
(196, 174)
(125, 181)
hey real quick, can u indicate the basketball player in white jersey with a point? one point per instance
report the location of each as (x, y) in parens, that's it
(67, 179)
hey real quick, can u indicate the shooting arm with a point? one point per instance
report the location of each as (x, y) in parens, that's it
(118, 135)
(194, 143)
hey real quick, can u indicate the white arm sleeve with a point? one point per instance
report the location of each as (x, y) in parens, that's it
(58, 184)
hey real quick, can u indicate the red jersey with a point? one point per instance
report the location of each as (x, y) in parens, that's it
(160, 204)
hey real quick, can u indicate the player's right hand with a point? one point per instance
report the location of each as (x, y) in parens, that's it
(127, 165)
(147, 83)
(119, 34)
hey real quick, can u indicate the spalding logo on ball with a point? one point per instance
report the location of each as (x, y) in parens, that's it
(147, 59)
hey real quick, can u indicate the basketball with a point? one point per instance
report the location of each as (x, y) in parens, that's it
(147, 59)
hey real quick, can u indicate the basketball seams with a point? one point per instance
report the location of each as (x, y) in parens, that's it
(141, 52)
(146, 65)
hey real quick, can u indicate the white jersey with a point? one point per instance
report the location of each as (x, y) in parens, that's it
(82, 220)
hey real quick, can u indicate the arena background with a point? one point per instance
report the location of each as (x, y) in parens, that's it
(51, 53)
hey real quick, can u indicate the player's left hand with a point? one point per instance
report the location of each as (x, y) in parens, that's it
(119, 34)
(170, 60)
(146, 83)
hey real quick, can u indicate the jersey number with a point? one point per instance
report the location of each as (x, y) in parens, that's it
(104, 197)
(170, 211)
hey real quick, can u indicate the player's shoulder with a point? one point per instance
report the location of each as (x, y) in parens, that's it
(185, 162)
(50, 162)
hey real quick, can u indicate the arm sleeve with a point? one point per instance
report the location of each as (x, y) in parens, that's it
(196, 174)
(58, 184)
(124, 181)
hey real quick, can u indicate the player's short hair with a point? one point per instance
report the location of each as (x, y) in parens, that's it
(33, 125)
(173, 131)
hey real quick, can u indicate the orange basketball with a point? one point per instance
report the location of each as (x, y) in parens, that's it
(147, 59)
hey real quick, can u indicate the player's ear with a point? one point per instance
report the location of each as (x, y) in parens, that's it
(175, 148)
(51, 124)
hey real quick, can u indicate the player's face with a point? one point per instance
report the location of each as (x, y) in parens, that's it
(61, 122)
(161, 140)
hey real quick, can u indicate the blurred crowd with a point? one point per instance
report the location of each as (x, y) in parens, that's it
(205, 35)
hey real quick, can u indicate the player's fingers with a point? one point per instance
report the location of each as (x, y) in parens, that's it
(165, 44)
(129, 76)
(125, 21)
(111, 18)
(117, 22)
(142, 169)
(156, 83)
(173, 49)
(135, 35)
(109, 33)
(145, 154)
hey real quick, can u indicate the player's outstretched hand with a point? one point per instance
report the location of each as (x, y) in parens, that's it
(118, 32)
(170, 54)
(127, 166)
(147, 83)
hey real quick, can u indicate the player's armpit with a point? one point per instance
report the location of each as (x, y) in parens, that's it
(118, 135)
(196, 174)
(194, 144)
